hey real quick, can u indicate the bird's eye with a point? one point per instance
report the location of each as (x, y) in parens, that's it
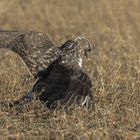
(70, 46)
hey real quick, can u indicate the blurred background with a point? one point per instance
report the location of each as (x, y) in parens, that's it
(60, 19)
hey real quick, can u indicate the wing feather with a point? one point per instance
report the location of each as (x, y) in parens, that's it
(65, 85)
(30, 46)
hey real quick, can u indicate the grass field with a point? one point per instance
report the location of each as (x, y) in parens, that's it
(114, 67)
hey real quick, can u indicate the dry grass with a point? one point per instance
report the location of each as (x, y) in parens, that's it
(114, 67)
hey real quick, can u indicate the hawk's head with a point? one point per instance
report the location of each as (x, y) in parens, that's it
(76, 49)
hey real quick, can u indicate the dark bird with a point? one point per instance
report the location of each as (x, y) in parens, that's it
(64, 82)
(61, 78)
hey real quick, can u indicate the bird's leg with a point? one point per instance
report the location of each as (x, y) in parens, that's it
(28, 97)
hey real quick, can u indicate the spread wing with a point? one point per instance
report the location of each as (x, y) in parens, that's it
(32, 47)
(63, 84)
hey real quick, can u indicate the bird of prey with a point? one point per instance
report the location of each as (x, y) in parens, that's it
(61, 78)
(34, 48)
(64, 82)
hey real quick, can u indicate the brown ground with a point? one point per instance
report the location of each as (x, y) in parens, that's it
(114, 67)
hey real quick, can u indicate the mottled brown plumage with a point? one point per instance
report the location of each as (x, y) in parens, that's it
(35, 48)
(61, 78)
(64, 82)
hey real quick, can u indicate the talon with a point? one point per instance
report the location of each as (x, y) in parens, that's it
(28, 97)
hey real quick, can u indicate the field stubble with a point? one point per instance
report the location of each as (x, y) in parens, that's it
(114, 67)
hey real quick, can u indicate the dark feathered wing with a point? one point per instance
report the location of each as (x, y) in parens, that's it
(67, 85)
(31, 46)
